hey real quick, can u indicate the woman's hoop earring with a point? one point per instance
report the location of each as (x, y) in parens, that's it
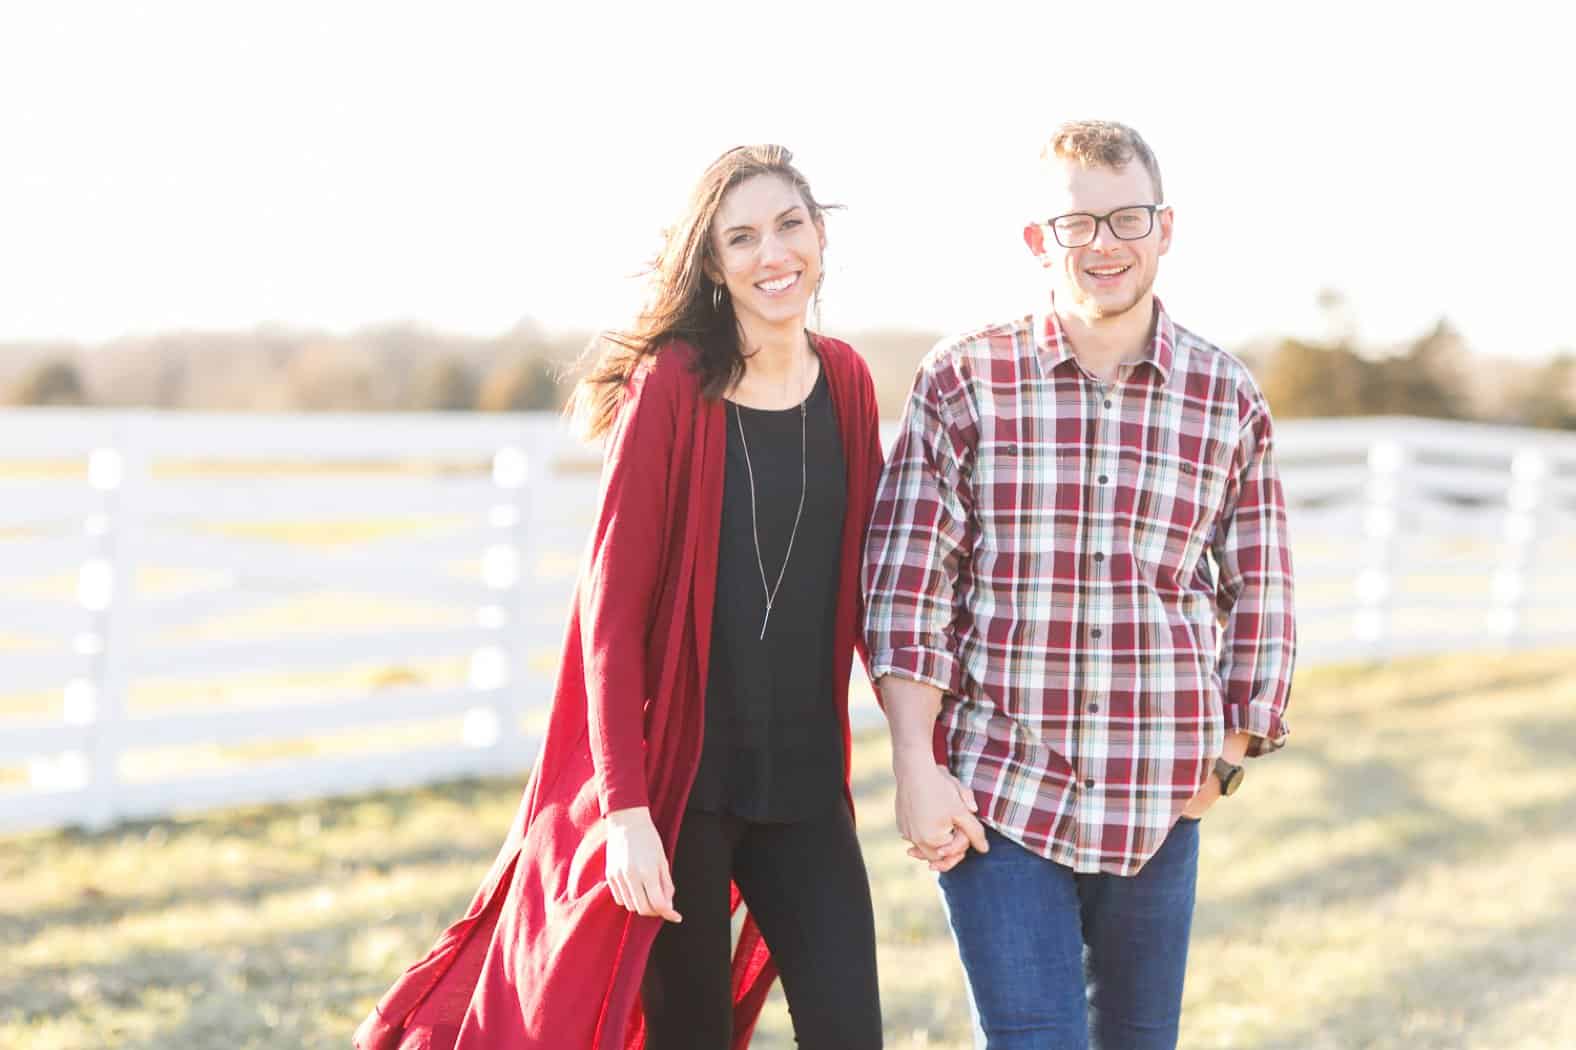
(716, 298)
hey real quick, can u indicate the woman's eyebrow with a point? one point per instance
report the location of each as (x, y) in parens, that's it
(780, 215)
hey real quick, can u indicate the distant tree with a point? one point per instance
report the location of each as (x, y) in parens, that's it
(139, 371)
(410, 358)
(1302, 379)
(522, 384)
(893, 355)
(1547, 396)
(329, 376)
(1426, 379)
(52, 382)
(445, 384)
(175, 385)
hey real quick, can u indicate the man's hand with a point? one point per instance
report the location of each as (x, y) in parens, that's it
(1235, 752)
(936, 814)
(1206, 797)
(637, 865)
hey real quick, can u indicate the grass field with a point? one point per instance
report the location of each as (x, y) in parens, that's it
(1402, 875)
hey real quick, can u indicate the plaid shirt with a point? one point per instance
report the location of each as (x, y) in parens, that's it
(1037, 553)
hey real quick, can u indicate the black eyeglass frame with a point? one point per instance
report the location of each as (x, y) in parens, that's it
(1152, 209)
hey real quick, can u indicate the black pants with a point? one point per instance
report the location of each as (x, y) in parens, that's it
(805, 884)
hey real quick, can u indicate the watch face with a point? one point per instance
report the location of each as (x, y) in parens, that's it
(1231, 780)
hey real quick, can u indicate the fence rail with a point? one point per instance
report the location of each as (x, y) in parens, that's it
(206, 609)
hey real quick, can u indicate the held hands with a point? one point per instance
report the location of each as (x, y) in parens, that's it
(637, 865)
(936, 814)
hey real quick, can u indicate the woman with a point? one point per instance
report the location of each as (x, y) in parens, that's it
(697, 753)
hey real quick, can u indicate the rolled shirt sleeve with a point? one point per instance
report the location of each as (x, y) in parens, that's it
(918, 541)
(1254, 591)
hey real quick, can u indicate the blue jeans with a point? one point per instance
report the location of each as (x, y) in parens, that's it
(1058, 961)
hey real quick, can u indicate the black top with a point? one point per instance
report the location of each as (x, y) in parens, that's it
(774, 748)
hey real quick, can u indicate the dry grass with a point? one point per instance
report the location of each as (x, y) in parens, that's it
(1404, 875)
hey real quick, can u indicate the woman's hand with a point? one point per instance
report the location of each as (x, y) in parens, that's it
(936, 813)
(637, 865)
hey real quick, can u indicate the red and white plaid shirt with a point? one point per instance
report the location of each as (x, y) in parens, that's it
(1038, 553)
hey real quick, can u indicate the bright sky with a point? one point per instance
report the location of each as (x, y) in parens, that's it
(216, 164)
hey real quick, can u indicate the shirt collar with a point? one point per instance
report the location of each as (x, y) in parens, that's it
(1054, 346)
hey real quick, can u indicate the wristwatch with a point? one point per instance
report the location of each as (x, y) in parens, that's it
(1230, 776)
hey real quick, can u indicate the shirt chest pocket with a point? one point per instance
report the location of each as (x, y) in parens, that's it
(1177, 502)
(1026, 496)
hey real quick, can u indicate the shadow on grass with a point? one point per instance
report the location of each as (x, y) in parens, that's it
(1381, 789)
(15, 929)
(1446, 840)
(1548, 739)
(256, 824)
(262, 994)
(271, 968)
(1491, 973)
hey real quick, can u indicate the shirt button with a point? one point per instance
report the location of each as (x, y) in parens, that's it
(1094, 709)
(1099, 556)
(1011, 450)
(1104, 479)
(1095, 633)
(1089, 783)
(1108, 404)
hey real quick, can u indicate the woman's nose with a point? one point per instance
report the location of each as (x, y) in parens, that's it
(773, 249)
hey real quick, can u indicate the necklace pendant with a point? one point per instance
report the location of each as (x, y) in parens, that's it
(755, 526)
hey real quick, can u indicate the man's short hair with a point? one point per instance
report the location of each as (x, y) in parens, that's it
(1103, 143)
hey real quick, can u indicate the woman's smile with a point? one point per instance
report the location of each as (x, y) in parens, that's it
(778, 285)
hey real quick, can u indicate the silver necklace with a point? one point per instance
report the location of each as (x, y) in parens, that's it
(755, 530)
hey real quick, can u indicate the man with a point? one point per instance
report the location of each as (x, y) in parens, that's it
(1079, 590)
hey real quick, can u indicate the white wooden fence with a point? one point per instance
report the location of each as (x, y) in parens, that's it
(198, 610)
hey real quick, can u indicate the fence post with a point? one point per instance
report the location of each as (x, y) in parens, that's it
(109, 588)
(1387, 463)
(1529, 470)
(514, 472)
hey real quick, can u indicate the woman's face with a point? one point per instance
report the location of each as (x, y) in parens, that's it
(768, 251)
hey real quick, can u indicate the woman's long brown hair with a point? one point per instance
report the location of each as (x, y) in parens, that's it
(680, 305)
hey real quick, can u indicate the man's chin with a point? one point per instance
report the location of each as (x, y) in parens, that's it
(1108, 309)
(1094, 308)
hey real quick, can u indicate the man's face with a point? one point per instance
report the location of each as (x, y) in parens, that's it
(1110, 275)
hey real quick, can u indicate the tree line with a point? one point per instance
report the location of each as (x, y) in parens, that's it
(410, 367)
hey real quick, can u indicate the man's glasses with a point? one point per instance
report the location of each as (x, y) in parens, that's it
(1078, 228)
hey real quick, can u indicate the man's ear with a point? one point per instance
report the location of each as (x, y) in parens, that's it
(1034, 237)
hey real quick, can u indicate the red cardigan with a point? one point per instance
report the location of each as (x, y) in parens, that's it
(544, 959)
